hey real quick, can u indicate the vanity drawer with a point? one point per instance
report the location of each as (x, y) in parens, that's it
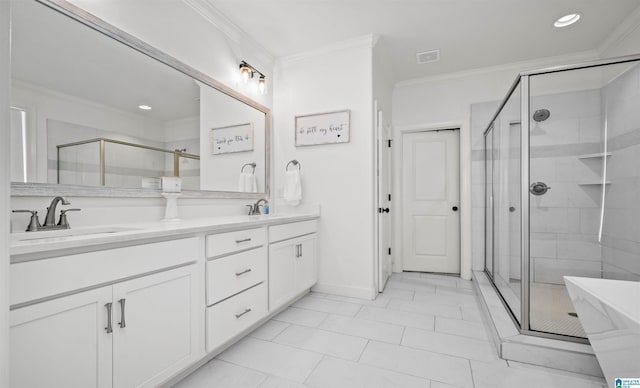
(229, 318)
(229, 275)
(294, 229)
(225, 243)
(33, 280)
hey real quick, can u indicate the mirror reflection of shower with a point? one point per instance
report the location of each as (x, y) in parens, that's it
(539, 116)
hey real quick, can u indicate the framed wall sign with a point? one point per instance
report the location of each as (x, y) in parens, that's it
(233, 138)
(323, 128)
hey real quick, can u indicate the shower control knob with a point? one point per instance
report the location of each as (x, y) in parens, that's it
(455, 208)
(539, 188)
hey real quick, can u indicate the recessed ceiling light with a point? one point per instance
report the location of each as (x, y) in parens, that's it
(567, 20)
(144, 107)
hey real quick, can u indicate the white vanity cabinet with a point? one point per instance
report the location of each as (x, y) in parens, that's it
(293, 267)
(130, 333)
(236, 283)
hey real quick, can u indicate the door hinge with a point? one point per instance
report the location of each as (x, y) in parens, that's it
(389, 250)
(389, 143)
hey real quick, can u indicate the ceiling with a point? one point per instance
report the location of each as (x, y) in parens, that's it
(470, 34)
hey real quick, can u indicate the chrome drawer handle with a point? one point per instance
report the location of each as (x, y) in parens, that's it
(243, 240)
(109, 329)
(243, 313)
(122, 323)
(243, 272)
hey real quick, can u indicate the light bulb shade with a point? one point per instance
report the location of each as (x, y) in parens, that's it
(262, 84)
(245, 73)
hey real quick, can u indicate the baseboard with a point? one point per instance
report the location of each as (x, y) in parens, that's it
(354, 292)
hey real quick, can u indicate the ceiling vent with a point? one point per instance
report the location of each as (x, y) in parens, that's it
(428, 56)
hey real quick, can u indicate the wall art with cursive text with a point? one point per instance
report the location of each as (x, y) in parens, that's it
(234, 138)
(323, 128)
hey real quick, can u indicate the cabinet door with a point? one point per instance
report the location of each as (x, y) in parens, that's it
(281, 273)
(306, 267)
(62, 343)
(155, 327)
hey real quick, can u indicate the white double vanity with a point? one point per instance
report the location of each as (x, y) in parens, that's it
(141, 305)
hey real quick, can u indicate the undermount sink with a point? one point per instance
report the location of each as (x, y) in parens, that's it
(56, 234)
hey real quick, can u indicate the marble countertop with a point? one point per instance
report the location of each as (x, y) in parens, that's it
(29, 246)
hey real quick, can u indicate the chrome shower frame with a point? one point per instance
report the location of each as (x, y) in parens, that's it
(523, 81)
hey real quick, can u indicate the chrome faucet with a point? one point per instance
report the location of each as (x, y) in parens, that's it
(50, 219)
(255, 208)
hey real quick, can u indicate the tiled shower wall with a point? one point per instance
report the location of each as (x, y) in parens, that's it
(565, 221)
(621, 230)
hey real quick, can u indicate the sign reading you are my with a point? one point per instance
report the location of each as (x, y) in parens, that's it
(234, 138)
(323, 128)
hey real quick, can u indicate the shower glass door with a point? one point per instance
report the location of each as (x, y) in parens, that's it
(503, 177)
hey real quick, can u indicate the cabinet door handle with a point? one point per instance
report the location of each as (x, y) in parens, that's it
(300, 249)
(243, 313)
(297, 250)
(243, 272)
(122, 322)
(243, 240)
(109, 329)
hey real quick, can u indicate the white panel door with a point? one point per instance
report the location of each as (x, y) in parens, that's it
(431, 194)
(62, 343)
(154, 327)
(384, 202)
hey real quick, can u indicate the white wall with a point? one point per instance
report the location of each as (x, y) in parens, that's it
(337, 176)
(5, 189)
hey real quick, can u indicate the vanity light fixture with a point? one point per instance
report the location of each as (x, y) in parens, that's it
(144, 107)
(567, 20)
(247, 72)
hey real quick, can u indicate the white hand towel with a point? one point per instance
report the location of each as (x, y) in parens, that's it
(247, 183)
(242, 187)
(292, 188)
(254, 183)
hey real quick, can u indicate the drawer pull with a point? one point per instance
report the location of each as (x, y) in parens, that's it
(243, 272)
(243, 240)
(109, 329)
(122, 322)
(243, 313)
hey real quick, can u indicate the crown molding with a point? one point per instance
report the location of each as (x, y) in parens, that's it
(234, 33)
(624, 29)
(516, 67)
(368, 41)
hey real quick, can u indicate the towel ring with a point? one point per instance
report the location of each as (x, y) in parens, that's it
(253, 166)
(295, 163)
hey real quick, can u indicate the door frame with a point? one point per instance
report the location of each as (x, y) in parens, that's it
(379, 135)
(464, 146)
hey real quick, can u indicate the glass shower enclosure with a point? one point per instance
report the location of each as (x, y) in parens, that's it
(562, 189)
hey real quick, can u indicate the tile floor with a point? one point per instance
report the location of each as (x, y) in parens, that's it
(424, 331)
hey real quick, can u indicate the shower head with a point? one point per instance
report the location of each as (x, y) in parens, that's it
(541, 115)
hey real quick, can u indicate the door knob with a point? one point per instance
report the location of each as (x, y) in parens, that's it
(385, 210)
(455, 208)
